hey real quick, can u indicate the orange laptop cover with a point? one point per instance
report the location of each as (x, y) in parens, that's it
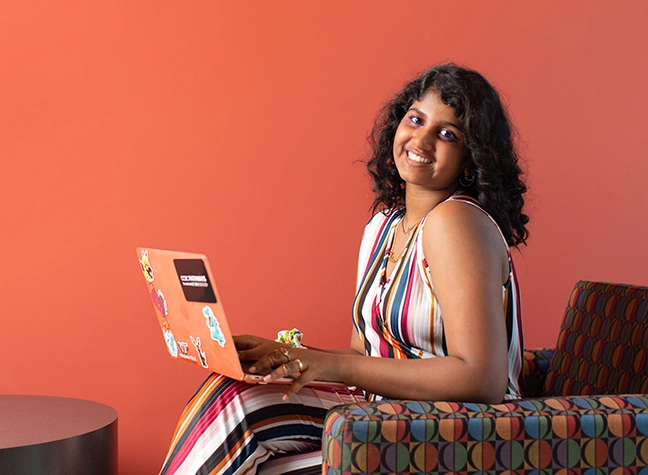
(190, 311)
(191, 315)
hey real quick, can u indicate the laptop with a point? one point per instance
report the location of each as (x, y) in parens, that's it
(191, 315)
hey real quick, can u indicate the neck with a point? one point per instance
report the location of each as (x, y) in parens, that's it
(419, 202)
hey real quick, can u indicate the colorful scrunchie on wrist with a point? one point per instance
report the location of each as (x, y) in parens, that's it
(292, 337)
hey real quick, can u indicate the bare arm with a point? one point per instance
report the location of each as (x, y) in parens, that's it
(468, 263)
(253, 348)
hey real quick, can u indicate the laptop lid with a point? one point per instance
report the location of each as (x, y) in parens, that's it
(189, 310)
(191, 315)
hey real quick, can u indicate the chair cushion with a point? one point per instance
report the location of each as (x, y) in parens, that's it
(575, 435)
(603, 342)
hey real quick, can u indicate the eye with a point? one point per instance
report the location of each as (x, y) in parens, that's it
(415, 119)
(448, 135)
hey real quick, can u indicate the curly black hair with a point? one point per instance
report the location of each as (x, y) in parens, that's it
(487, 132)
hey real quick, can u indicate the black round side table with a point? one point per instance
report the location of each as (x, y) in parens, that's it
(56, 435)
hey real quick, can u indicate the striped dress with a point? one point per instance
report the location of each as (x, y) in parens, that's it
(398, 316)
(231, 427)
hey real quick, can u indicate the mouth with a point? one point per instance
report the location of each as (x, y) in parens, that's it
(417, 158)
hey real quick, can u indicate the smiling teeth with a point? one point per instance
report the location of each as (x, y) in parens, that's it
(417, 158)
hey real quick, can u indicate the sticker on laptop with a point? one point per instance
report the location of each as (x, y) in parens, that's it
(201, 353)
(160, 302)
(170, 340)
(147, 270)
(213, 325)
(184, 351)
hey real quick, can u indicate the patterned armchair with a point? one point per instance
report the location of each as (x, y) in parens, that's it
(585, 410)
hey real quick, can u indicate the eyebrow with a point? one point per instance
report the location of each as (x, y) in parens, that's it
(443, 122)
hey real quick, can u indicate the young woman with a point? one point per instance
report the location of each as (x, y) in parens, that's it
(436, 314)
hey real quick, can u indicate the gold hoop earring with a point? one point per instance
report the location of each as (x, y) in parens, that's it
(466, 180)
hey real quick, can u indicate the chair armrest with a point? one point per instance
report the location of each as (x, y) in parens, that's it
(536, 366)
(542, 434)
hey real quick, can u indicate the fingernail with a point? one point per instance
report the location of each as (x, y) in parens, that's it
(252, 369)
(284, 397)
(267, 377)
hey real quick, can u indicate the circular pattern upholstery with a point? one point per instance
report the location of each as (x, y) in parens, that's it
(602, 346)
(570, 435)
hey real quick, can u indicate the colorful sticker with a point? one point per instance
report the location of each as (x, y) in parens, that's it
(184, 351)
(170, 341)
(214, 326)
(201, 353)
(159, 301)
(146, 266)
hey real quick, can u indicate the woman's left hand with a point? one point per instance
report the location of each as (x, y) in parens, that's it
(299, 363)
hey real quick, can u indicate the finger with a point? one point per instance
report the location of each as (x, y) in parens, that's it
(290, 369)
(247, 342)
(296, 386)
(261, 366)
(272, 360)
(280, 372)
(300, 366)
(248, 355)
(245, 345)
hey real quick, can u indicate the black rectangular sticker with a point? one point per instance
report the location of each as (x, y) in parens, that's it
(194, 280)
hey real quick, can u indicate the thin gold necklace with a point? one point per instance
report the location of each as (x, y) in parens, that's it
(392, 255)
(409, 230)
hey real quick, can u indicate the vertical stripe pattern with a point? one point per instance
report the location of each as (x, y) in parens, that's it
(231, 427)
(398, 316)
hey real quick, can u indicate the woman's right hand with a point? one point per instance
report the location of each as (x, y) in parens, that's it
(253, 348)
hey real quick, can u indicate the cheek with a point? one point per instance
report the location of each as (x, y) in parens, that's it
(399, 140)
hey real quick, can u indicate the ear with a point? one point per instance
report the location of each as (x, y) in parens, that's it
(469, 166)
(467, 163)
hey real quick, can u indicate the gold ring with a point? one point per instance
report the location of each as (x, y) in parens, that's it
(283, 352)
(301, 365)
(285, 370)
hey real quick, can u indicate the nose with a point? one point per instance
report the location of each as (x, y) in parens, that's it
(423, 139)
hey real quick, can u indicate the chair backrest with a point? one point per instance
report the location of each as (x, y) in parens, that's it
(602, 346)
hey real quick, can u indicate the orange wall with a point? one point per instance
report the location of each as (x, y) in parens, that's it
(234, 129)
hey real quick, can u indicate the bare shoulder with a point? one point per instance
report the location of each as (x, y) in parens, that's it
(458, 231)
(460, 218)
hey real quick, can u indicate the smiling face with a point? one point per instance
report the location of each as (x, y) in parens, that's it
(429, 149)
